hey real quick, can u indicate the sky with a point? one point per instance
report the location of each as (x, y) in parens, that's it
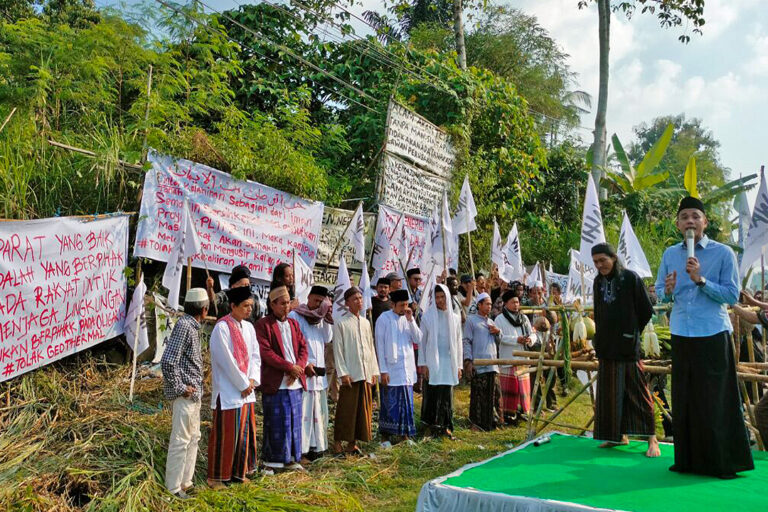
(720, 77)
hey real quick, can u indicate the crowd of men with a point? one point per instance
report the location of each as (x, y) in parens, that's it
(298, 356)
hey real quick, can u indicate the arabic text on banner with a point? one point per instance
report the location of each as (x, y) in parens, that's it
(62, 288)
(411, 136)
(239, 222)
(409, 189)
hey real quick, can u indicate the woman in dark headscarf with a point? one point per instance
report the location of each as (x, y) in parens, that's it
(622, 309)
(282, 275)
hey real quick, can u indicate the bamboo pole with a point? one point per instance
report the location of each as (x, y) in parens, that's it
(570, 401)
(539, 366)
(144, 146)
(7, 118)
(92, 154)
(751, 354)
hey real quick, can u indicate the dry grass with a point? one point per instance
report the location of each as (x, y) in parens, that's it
(70, 441)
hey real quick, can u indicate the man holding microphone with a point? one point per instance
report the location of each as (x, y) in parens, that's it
(699, 276)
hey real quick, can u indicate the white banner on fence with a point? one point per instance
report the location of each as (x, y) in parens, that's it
(391, 220)
(335, 220)
(411, 136)
(62, 288)
(239, 222)
(409, 189)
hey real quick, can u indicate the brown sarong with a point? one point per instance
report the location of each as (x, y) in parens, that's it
(353, 413)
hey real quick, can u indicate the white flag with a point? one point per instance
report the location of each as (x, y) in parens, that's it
(404, 249)
(428, 291)
(136, 315)
(514, 269)
(497, 248)
(355, 233)
(304, 278)
(342, 285)
(573, 290)
(757, 235)
(365, 286)
(187, 245)
(534, 278)
(447, 222)
(592, 232)
(630, 253)
(381, 254)
(741, 205)
(464, 220)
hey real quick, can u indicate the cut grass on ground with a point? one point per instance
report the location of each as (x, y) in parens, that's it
(71, 441)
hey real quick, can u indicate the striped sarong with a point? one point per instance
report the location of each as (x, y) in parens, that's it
(232, 443)
(623, 404)
(282, 426)
(515, 391)
(484, 398)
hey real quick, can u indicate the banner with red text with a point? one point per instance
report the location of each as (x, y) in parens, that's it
(239, 222)
(62, 288)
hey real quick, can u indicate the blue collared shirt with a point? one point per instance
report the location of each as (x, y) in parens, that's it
(700, 310)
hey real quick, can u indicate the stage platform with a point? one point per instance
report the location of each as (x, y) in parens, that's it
(572, 474)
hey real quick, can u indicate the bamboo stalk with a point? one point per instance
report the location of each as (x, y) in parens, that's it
(751, 354)
(92, 154)
(570, 401)
(539, 366)
(7, 118)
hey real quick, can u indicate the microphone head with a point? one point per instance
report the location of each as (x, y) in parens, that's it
(690, 233)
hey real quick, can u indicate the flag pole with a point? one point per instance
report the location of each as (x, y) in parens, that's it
(136, 337)
(469, 244)
(442, 235)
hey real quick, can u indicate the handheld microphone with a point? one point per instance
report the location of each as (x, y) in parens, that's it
(690, 241)
(542, 440)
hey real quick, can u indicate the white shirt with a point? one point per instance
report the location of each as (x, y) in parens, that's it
(288, 355)
(226, 378)
(317, 336)
(353, 351)
(395, 337)
(509, 335)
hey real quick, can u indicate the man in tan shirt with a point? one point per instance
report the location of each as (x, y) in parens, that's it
(358, 370)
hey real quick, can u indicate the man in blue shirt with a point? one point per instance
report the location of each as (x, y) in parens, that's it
(708, 423)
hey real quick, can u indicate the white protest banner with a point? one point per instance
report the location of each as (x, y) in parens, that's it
(381, 254)
(335, 220)
(165, 321)
(62, 288)
(303, 279)
(391, 222)
(408, 188)
(187, 246)
(757, 235)
(411, 136)
(560, 279)
(630, 253)
(573, 290)
(592, 232)
(328, 276)
(239, 222)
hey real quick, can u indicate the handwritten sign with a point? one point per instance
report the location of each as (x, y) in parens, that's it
(259, 289)
(239, 222)
(409, 189)
(390, 221)
(327, 276)
(335, 221)
(413, 137)
(62, 288)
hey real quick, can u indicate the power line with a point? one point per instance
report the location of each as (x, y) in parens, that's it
(281, 47)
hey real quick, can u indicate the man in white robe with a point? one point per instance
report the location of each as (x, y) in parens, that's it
(440, 359)
(396, 333)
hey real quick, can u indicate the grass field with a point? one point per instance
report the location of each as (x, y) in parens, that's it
(70, 440)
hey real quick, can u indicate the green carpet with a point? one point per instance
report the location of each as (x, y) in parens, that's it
(574, 469)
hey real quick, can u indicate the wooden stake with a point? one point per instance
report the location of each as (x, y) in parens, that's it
(189, 273)
(92, 154)
(568, 403)
(751, 353)
(539, 366)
